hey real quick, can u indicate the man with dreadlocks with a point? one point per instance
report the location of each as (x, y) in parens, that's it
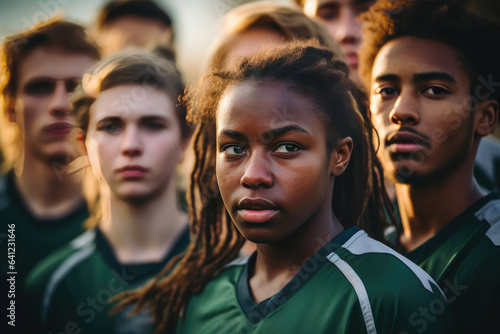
(432, 72)
(279, 130)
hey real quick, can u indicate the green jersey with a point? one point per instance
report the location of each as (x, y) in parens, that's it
(352, 285)
(33, 238)
(464, 259)
(72, 287)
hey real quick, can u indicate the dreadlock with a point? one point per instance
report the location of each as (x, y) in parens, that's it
(358, 193)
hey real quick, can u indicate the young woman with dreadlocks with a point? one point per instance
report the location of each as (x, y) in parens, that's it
(275, 135)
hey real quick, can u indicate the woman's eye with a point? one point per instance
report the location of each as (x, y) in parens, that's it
(386, 91)
(287, 148)
(233, 150)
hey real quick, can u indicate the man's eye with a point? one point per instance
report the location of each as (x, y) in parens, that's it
(287, 148)
(434, 90)
(154, 125)
(71, 85)
(40, 88)
(109, 128)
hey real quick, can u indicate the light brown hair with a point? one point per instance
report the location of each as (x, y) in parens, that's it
(56, 33)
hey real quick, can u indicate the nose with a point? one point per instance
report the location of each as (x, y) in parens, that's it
(348, 28)
(405, 110)
(257, 171)
(131, 144)
(59, 103)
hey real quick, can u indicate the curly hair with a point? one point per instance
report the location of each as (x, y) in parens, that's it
(475, 38)
(358, 196)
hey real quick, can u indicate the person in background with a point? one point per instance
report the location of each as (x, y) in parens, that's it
(341, 18)
(141, 24)
(253, 27)
(134, 133)
(432, 72)
(41, 204)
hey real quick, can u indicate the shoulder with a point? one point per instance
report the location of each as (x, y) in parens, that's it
(389, 286)
(490, 213)
(4, 193)
(372, 258)
(64, 258)
(47, 275)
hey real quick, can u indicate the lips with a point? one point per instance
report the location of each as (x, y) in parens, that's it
(352, 59)
(132, 171)
(256, 210)
(407, 141)
(58, 128)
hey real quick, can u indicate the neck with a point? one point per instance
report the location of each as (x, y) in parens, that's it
(277, 263)
(46, 189)
(426, 209)
(146, 232)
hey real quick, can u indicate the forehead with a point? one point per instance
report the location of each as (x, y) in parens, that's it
(320, 3)
(261, 106)
(53, 63)
(250, 42)
(406, 56)
(132, 102)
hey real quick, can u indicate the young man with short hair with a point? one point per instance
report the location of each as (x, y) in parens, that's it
(41, 207)
(432, 74)
(134, 23)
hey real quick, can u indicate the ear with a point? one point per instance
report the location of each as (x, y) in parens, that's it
(340, 156)
(11, 114)
(486, 117)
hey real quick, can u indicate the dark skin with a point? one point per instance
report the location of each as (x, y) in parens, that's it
(276, 178)
(429, 135)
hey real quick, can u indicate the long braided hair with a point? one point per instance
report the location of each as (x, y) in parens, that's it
(359, 194)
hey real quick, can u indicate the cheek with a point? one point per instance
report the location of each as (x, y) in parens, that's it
(227, 177)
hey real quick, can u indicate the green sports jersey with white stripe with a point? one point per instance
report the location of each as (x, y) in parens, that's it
(71, 288)
(464, 259)
(34, 238)
(352, 285)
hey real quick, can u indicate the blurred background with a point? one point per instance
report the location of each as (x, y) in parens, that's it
(196, 22)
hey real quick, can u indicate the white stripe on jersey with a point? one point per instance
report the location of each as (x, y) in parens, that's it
(60, 273)
(361, 243)
(491, 213)
(360, 289)
(494, 234)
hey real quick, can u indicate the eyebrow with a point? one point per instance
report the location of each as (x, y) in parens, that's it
(387, 77)
(433, 76)
(269, 134)
(141, 119)
(419, 77)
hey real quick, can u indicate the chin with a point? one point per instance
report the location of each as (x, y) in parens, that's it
(135, 199)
